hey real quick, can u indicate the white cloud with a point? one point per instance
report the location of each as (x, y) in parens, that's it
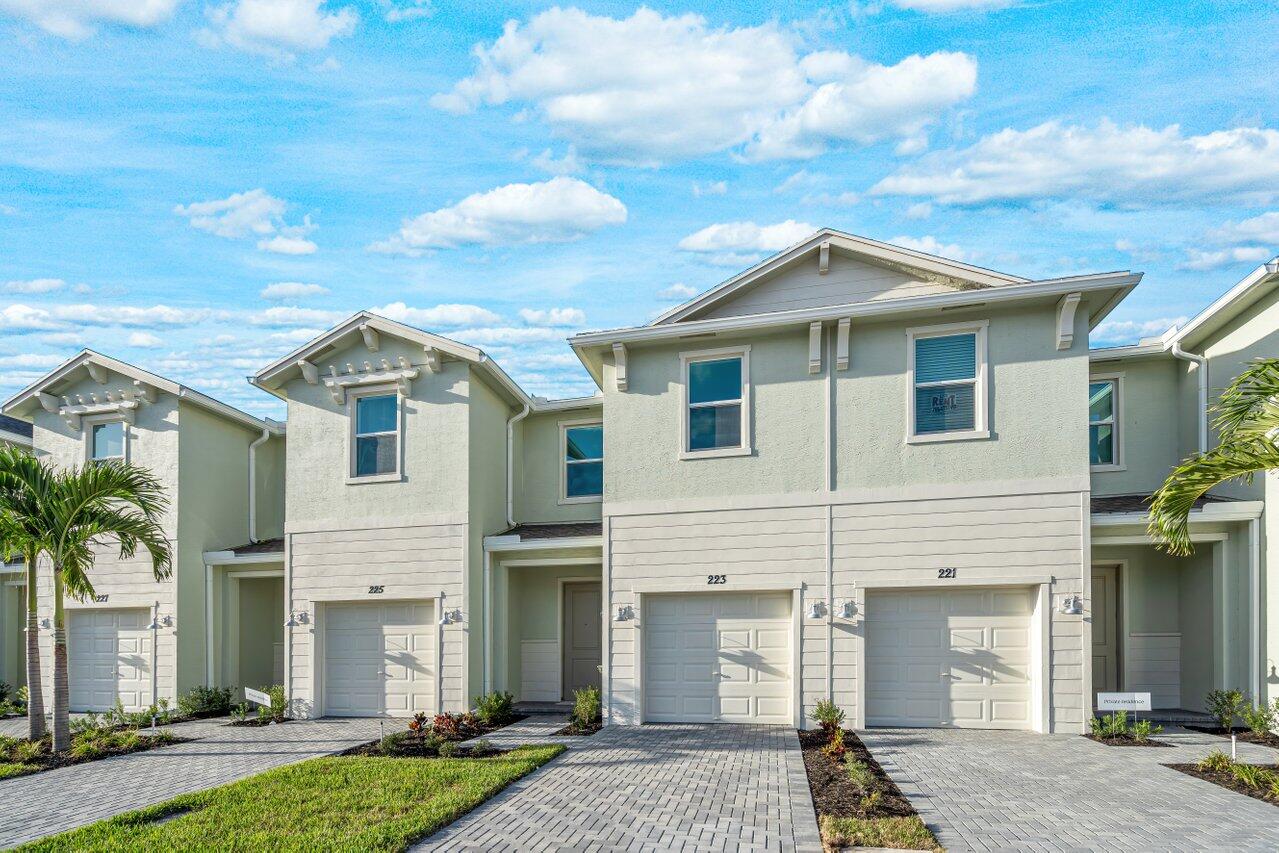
(1113, 332)
(75, 19)
(252, 213)
(1258, 229)
(677, 291)
(506, 335)
(145, 340)
(293, 337)
(440, 315)
(35, 285)
(285, 290)
(710, 188)
(1202, 260)
(407, 11)
(555, 211)
(569, 164)
(1103, 164)
(650, 88)
(290, 315)
(553, 316)
(31, 360)
(797, 179)
(920, 210)
(277, 28)
(844, 199)
(946, 6)
(733, 243)
(930, 245)
(19, 317)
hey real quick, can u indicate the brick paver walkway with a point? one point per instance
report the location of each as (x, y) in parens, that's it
(668, 787)
(45, 803)
(1023, 791)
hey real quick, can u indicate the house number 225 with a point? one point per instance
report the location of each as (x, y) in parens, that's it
(375, 590)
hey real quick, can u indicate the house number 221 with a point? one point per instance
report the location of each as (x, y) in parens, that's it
(947, 574)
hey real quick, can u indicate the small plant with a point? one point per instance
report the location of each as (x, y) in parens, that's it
(447, 726)
(871, 802)
(1273, 790)
(1260, 719)
(1215, 762)
(483, 746)
(448, 749)
(586, 707)
(1143, 729)
(240, 712)
(418, 723)
(1251, 776)
(860, 774)
(279, 703)
(1224, 706)
(205, 702)
(828, 715)
(495, 708)
(390, 745)
(836, 749)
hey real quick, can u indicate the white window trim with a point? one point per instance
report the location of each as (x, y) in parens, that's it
(352, 395)
(981, 391)
(88, 422)
(565, 426)
(746, 448)
(1117, 423)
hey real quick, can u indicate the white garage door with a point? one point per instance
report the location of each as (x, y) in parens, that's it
(953, 658)
(109, 658)
(379, 659)
(717, 658)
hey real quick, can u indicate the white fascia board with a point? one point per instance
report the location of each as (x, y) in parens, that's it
(1123, 281)
(514, 543)
(229, 558)
(541, 404)
(1250, 286)
(1210, 513)
(872, 249)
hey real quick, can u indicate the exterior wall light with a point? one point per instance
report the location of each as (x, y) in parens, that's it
(816, 610)
(451, 616)
(1071, 605)
(155, 624)
(848, 609)
(624, 614)
(296, 619)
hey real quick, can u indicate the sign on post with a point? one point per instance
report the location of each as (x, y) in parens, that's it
(257, 696)
(1123, 701)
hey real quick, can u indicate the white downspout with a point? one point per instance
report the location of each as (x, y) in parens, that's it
(208, 624)
(1254, 627)
(1202, 365)
(253, 491)
(510, 463)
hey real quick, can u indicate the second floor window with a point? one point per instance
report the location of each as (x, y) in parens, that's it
(106, 441)
(948, 396)
(1103, 429)
(583, 461)
(377, 435)
(715, 387)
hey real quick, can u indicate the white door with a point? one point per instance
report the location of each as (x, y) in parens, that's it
(379, 659)
(717, 658)
(949, 658)
(109, 657)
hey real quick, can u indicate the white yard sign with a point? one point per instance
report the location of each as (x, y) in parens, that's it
(257, 696)
(1123, 701)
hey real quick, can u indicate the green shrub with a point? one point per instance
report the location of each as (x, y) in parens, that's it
(1273, 790)
(391, 744)
(205, 701)
(1251, 776)
(1143, 729)
(279, 702)
(836, 749)
(586, 707)
(28, 751)
(448, 749)
(828, 715)
(871, 802)
(1224, 706)
(495, 708)
(483, 746)
(860, 774)
(1215, 762)
(240, 712)
(1259, 720)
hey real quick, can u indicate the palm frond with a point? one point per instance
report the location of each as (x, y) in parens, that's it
(130, 529)
(1249, 407)
(1172, 503)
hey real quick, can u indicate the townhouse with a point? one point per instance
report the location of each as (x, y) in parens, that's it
(13, 605)
(854, 471)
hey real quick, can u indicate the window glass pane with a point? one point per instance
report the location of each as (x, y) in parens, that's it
(1101, 444)
(1101, 401)
(108, 440)
(584, 479)
(944, 408)
(585, 442)
(375, 455)
(375, 414)
(945, 358)
(720, 379)
(715, 426)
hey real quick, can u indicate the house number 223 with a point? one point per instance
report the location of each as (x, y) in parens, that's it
(716, 579)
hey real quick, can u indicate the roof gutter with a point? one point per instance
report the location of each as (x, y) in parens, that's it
(1201, 363)
(510, 462)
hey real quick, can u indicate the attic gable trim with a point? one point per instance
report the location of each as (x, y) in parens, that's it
(1201, 323)
(1124, 281)
(872, 249)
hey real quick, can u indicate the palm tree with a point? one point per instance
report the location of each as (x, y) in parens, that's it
(23, 481)
(1247, 423)
(77, 509)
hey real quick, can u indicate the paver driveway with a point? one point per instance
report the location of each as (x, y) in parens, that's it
(45, 803)
(1022, 791)
(667, 787)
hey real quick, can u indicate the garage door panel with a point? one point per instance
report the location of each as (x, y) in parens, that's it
(379, 659)
(109, 658)
(729, 661)
(965, 659)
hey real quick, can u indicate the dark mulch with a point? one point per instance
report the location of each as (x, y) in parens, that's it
(1244, 735)
(1126, 740)
(255, 722)
(53, 760)
(574, 730)
(416, 747)
(1225, 780)
(835, 794)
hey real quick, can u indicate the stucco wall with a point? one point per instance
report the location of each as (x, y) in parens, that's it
(531, 603)
(1150, 424)
(538, 486)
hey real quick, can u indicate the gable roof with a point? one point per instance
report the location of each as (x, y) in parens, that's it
(925, 266)
(26, 399)
(1235, 301)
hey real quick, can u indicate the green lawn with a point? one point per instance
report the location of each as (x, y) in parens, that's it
(8, 768)
(350, 803)
(900, 833)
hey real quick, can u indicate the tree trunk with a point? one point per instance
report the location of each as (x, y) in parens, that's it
(61, 694)
(35, 678)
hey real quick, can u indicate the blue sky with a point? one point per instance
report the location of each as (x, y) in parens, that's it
(197, 187)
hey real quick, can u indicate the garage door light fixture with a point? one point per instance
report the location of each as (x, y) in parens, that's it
(817, 610)
(1072, 605)
(451, 616)
(625, 614)
(848, 609)
(296, 619)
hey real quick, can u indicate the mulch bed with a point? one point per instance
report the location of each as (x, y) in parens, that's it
(257, 722)
(53, 760)
(1244, 735)
(834, 793)
(415, 748)
(1225, 780)
(574, 730)
(1126, 740)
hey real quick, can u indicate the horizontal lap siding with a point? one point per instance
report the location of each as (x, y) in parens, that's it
(996, 539)
(410, 562)
(748, 546)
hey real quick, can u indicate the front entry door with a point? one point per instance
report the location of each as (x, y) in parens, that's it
(1105, 629)
(582, 628)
